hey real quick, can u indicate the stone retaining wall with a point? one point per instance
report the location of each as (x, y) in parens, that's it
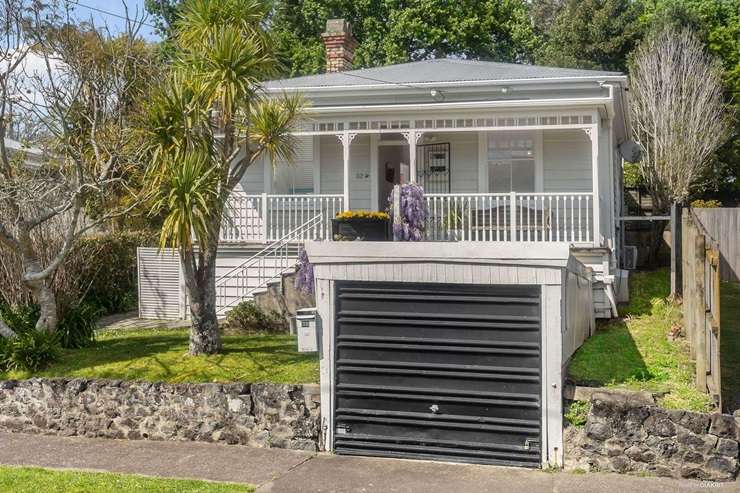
(259, 415)
(627, 432)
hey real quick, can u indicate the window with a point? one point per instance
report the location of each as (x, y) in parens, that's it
(511, 162)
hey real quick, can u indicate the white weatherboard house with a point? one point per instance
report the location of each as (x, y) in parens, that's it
(452, 348)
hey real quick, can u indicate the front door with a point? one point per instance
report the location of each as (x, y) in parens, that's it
(393, 169)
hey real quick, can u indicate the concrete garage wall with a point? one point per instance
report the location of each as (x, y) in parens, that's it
(628, 433)
(258, 415)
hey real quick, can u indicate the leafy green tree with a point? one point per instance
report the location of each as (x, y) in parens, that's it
(164, 14)
(395, 31)
(206, 124)
(591, 34)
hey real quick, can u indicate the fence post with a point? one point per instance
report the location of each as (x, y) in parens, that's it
(700, 313)
(687, 285)
(675, 249)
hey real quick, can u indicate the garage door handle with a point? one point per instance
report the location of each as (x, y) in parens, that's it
(434, 408)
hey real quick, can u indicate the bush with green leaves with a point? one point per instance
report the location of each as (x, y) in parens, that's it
(31, 350)
(248, 317)
(577, 413)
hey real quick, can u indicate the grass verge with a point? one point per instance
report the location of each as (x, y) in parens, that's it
(34, 480)
(162, 355)
(633, 352)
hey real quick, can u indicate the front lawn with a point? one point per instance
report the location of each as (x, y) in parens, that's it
(633, 352)
(35, 480)
(161, 355)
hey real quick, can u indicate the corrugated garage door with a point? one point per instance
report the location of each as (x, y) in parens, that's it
(430, 371)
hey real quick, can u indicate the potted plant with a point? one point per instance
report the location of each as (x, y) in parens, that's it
(455, 222)
(361, 225)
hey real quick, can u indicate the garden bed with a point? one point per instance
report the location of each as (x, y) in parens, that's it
(634, 352)
(161, 355)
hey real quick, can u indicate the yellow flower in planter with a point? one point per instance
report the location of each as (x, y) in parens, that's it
(381, 216)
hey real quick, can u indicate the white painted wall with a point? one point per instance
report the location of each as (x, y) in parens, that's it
(463, 160)
(332, 166)
(566, 161)
(253, 181)
(359, 178)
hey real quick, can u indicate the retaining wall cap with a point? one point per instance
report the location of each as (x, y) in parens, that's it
(623, 397)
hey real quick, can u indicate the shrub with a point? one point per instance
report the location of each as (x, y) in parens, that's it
(78, 323)
(99, 269)
(104, 271)
(30, 351)
(577, 413)
(706, 204)
(248, 317)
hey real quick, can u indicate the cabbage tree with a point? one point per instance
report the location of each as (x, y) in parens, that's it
(205, 125)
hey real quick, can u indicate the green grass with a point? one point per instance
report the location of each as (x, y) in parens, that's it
(161, 355)
(35, 480)
(729, 314)
(633, 352)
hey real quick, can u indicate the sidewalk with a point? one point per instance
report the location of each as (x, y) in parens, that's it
(286, 471)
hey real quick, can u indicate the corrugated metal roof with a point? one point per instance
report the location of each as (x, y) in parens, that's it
(431, 71)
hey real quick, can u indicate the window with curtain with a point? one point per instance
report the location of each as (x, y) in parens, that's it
(511, 162)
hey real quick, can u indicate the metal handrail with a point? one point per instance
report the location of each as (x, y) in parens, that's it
(285, 238)
(280, 246)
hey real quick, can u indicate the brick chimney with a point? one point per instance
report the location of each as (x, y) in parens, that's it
(340, 45)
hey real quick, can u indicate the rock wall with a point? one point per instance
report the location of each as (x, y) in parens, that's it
(625, 432)
(259, 415)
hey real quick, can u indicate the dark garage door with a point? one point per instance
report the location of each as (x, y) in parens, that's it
(432, 371)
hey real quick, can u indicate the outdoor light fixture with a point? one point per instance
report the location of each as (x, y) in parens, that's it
(437, 95)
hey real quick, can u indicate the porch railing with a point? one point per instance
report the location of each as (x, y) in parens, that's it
(270, 217)
(535, 217)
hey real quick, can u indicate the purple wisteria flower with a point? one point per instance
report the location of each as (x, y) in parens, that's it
(304, 277)
(413, 213)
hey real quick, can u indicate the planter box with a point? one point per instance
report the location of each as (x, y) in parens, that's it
(360, 229)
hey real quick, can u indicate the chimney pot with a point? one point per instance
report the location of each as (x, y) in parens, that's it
(340, 45)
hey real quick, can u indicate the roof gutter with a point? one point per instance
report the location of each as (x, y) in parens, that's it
(461, 83)
(523, 103)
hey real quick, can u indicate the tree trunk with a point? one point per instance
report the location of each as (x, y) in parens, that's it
(41, 290)
(200, 282)
(48, 318)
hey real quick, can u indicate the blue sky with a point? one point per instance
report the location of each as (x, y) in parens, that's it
(116, 24)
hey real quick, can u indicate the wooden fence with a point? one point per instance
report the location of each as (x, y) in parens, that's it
(701, 285)
(723, 224)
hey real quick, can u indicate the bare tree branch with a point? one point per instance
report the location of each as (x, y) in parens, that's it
(678, 113)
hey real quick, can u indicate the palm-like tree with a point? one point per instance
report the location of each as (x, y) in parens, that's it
(206, 124)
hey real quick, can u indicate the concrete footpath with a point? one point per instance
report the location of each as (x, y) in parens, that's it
(286, 471)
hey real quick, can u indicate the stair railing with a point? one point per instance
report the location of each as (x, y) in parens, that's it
(264, 266)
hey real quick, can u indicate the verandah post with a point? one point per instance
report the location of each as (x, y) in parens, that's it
(264, 217)
(512, 215)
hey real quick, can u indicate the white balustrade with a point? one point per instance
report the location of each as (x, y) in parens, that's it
(548, 217)
(538, 217)
(270, 217)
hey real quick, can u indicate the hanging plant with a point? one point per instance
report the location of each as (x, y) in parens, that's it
(304, 277)
(409, 223)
